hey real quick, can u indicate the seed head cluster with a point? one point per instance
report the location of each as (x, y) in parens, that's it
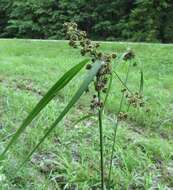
(122, 116)
(128, 55)
(78, 39)
(136, 99)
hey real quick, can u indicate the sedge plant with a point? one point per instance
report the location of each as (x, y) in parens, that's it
(100, 73)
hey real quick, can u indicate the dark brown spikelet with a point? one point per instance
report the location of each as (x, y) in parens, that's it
(128, 55)
(124, 90)
(88, 67)
(122, 116)
(114, 55)
(104, 90)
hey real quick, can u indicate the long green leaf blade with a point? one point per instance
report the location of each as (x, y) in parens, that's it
(61, 83)
(84, 118)
(92, 73)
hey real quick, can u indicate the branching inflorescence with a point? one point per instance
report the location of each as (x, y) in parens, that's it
(100, 72)
(78, 39)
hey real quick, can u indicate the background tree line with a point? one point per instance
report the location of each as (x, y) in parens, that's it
(132, 20)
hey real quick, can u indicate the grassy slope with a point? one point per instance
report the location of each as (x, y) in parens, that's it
(144, 150)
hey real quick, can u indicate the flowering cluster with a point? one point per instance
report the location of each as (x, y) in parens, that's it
(136, 99)
(95, 103)
(122, 116)
(128, 55)
(78, 39)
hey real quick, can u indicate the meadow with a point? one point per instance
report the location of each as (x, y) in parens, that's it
(68, 159)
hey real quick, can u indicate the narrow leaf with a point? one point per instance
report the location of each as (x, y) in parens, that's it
(92, 73)
(61, 83)
(84, 118)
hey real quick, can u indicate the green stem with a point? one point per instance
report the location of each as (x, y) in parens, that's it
(114, 140)
(101, 143)
(141, 88)
(116, 127)
(107, 92)
(122, 82)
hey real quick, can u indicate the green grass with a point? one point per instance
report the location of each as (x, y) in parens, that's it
(69, 157)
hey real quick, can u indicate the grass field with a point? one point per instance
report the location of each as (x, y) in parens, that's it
(69, 157)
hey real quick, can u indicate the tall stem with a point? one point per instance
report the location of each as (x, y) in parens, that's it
(101, 143)
(113, 145)
(116, 127)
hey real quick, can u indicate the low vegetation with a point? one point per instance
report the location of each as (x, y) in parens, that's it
(69, 156)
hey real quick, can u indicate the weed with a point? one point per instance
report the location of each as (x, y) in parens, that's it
(78, 147)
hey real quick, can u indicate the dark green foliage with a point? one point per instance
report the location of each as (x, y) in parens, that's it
(150, 20)
(5, 9)
(132, 20)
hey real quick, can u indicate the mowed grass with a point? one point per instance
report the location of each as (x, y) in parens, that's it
(69, 158)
